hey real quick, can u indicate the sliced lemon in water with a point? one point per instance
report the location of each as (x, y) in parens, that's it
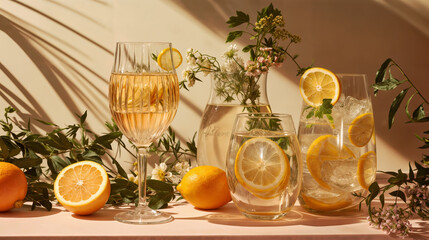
(324, 148)
(317, 84)
(328, 203)
(367, 168)
(165, 59)
(361, 129)
(262, 167)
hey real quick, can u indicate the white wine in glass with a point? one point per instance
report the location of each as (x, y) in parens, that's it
(143, 100)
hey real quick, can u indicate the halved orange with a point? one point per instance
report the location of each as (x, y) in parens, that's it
(317, 84)
(82, 187)
(262, 167)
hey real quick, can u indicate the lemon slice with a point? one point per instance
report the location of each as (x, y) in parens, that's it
(262, 167)
(361, 129)
(367, 168)
(330, 203)
(324, 148)
(164, 59)
(317, 84)
(82, 187)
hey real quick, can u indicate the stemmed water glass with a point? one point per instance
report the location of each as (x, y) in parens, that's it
(143, 100)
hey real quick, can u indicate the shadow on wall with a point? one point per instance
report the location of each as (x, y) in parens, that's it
(39, 50)
(346, 37)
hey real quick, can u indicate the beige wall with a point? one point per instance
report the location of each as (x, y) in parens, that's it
(56, 55)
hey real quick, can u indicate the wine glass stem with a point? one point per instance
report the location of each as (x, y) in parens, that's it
(142, 174)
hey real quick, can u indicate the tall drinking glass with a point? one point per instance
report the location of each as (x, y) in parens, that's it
(264, 167)
(339, 154)
(143, 100)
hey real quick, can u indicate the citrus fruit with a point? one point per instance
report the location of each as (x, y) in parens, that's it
(317, 84)
(367, 168)
(205, 187)
(13, 186)
(261, 166)
(328, 203)
(82, 187)
(164, 59)
(361, 129)
(325, 148)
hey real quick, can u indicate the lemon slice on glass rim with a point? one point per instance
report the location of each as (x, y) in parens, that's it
(164, 59)
(317, 84)
(262, 167)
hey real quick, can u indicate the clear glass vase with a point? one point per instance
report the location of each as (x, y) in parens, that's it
(229, 95)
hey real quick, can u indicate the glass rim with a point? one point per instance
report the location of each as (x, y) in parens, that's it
(141, 43)
(350, 74)
(264, 115)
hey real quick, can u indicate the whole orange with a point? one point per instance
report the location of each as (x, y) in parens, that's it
(205, 187)
(13, 186)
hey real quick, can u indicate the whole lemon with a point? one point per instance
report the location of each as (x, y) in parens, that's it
(13, 186)
(205, 187)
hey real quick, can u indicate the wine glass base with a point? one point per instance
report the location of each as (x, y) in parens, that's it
(143, 217)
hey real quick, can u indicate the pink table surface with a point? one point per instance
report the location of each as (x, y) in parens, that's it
(190, 223)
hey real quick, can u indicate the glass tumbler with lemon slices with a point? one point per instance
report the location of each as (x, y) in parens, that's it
(264, 166)
(337, 139)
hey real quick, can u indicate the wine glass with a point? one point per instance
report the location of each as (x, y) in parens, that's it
(264, 166)
(339, 154)
(143, 100)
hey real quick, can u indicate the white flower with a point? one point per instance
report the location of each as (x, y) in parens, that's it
(231, 53)
(181, 167)
(159, 172)
(205, 66)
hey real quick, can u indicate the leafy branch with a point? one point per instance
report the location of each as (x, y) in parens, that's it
(411, 189)
(43, 156)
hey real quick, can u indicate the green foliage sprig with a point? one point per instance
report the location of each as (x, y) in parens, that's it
(412, 188)
(43, 156)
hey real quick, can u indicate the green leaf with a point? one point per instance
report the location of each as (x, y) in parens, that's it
(388, 84)
(159, 186)
(239, 19)
(382, 200)
(27, 162)
(233, 35)
(36, 147)
(399, 194)
(160, 200)
(4, 149)
(407, 107)
(395, 105)
(248, 48)
(83, 117)
(410, 172)
(107, 139)
(381, 73)
(91, 156)
(419, 113)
